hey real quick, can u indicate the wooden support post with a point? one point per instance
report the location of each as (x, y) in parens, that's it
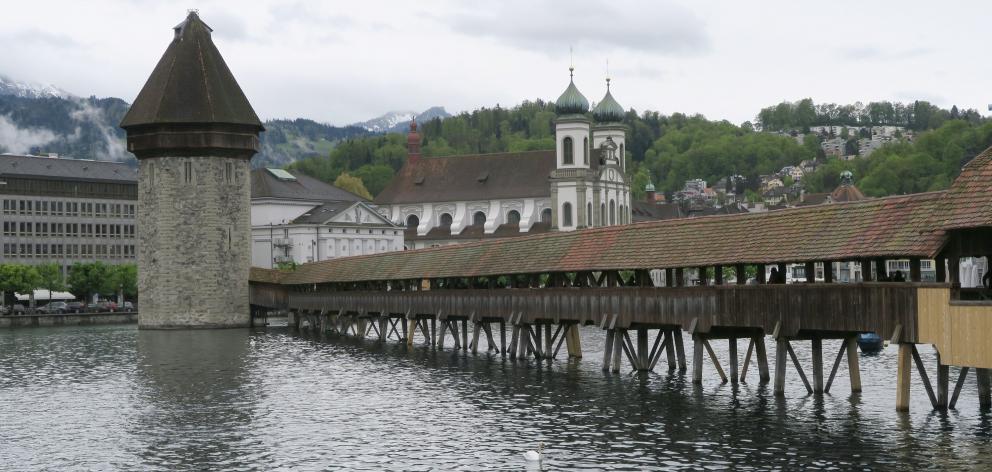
(733, 359)
(817, 347)
(617, 348)
(629, 351)
(761, 274)
(780, 358)
(669, 277)
(642, 349)
(575, 341)
(782, 272)
(810, 270)
(476, 330)
(411, 330)
(940, 264)
(799, 367)
(490, 341)
(608, 350)
(828, 272)
(527, 342)
(833, 370)
(697, 359)
(943, 381)
(679, 277)
(514, 340)
(402, 322)
(502, 337)
(701, 272)
(655, 354)
(747, 360)
(880, 270)
(740, 273)
(383, 326)
(548, 339)
(984, 388)
(853, 365)
(762, 358)
(445, 326)
(866, 273)
(957, 387)
(680, 350)
(670, 349)
(924, 377)
(718, 275)
(536, 334)
(433, 339)
(716, 362)
(464, 335)
(903, 369)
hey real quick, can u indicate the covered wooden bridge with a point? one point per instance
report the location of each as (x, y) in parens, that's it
(669, 277)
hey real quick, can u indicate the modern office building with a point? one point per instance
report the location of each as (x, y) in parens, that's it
(67, 210)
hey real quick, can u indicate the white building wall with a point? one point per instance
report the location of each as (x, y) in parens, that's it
(579, 132)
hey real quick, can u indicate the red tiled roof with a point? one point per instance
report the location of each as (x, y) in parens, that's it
(269, 276)
(475, 177)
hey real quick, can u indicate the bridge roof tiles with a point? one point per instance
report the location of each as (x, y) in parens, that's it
(902, 226)
(968, 203)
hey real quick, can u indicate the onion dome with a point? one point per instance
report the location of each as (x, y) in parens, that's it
(191, 104)
(608, 110)
(649, 187)
(571, 101)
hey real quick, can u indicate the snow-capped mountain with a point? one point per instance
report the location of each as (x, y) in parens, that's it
(398, 121)
(9, 86)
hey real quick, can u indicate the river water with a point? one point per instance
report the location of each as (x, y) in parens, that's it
(114, 398)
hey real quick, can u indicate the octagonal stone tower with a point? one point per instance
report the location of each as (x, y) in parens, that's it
(194, 133)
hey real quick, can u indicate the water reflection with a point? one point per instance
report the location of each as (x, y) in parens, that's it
(196, 397)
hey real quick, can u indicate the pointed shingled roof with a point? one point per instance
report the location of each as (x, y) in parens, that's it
(191, 85)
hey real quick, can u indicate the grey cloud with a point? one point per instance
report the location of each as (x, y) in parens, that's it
(40, 37)
(655, 27)
(20, 140)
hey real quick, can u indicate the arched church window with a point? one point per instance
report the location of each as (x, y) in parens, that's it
(412, 222)
(602, 214)
(446, 220)
(513, 217)
(585, 151)
(566, 214)
(479, 218)
(613, 212)
(566, 146)
(589, 214)
(546, 215)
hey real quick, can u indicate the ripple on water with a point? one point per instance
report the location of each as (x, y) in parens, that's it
(115, 398)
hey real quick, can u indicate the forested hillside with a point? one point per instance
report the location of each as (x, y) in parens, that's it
(671, 149)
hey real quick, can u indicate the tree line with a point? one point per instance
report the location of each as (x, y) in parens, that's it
(919, 115)
(84, 279)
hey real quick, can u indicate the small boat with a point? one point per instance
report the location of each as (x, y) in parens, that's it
(870, 343)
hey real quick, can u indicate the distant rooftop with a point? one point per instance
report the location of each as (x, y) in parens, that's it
(55, 168)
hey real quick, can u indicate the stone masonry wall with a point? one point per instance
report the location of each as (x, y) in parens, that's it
(194, 233)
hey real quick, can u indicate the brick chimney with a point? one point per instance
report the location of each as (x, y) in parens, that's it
(649, 193)
(413, 144)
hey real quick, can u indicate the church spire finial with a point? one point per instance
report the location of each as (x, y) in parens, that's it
(607, 75)
(571, 63)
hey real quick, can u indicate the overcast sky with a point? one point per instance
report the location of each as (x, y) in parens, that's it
(341, 62)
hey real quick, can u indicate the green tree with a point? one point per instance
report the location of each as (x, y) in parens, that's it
(352, 184)
(91, 278)
(375, 177)
(20, 278)
(50, 277)
(124, 280)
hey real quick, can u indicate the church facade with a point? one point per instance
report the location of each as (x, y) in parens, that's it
(581, 183)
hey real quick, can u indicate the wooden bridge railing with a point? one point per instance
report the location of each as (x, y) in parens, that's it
(794, 308)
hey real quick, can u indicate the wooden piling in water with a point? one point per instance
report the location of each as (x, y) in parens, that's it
(816, 345)
(903, 369)
(984, 388)
(732, 347)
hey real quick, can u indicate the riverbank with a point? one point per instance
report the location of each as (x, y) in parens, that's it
(68, 319)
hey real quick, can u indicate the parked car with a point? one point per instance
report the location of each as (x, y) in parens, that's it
(18, 309)
(109, 306)
(75, 307)
(94, 307)
(54, 308)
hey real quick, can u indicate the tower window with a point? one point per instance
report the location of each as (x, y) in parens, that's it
(589, 214)
(613, 212)
(585, 151)
(566, 214)
(188, 172)
(446, 220)
(566, 145)
(602, 214)
(412, 222)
